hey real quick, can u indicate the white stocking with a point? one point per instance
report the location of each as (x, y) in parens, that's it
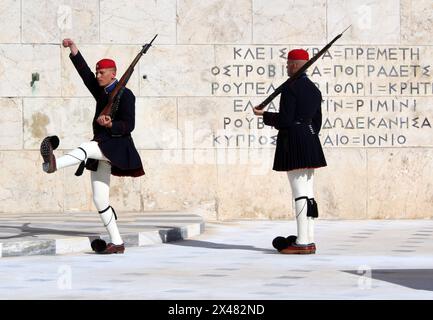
(86, 150)
(301, 182)
(100, 183)
(101, 199)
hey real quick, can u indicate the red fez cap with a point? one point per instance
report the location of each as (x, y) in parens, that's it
(105, 64)
(298, 54)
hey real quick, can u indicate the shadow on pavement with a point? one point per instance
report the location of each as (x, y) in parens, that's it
(419, 279)
(213, 245)
(26, 231)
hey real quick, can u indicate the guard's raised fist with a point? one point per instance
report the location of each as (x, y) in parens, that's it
(67, 42)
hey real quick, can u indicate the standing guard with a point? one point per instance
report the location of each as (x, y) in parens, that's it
(298, 151)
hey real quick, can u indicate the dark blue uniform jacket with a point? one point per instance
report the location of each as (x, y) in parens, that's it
(301, 100)
(116, 142)
(299, 121)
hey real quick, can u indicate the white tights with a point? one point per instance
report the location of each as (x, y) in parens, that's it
(100, 183)
(301, 182)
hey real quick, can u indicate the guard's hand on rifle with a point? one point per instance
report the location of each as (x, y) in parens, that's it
(258, 112)
(68, 43)
(105, 121)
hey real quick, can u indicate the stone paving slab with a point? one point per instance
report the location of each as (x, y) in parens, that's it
(50, 234)
(358, 259)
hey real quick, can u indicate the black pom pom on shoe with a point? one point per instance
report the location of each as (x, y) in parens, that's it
(280, 243)
(291, 239)
(98, 245)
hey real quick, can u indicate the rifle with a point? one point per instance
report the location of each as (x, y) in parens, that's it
(298, 73)
(114, 98)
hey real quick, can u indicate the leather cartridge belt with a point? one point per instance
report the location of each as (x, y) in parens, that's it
(120, 135)
(303, 121)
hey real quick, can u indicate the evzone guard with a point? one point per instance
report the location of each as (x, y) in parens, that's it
(298, 150)
(110, 152)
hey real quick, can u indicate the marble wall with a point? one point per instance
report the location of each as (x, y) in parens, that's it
(213, 60)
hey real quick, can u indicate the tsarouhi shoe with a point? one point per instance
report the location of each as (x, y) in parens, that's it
(47, 146)
(113, 248)
(300, 249)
